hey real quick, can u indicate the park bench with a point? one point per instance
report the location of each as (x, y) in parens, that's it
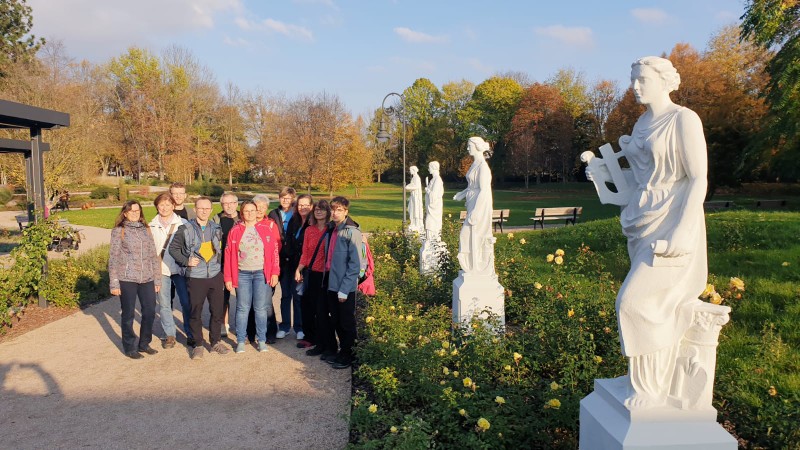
(569, 214)
(770, 203)
(22, 220)
(499, 217)
(717, 204)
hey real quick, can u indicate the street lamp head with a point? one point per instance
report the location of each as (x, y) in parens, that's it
(383, 135)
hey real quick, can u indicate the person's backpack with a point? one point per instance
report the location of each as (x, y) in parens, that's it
(366, 282)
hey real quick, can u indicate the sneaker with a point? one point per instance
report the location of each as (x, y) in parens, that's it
(149, 350)
(281, 334)
(262, 347)
(300, 335)
(220, 348)
(169, 342)
(316, 351)
(240, 347)
(134, 355)
(197, 352)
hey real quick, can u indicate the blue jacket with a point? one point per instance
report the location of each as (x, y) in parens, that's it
(186, 243)
(346, 261)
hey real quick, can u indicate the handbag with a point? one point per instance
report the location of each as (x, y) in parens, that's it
(303, 287)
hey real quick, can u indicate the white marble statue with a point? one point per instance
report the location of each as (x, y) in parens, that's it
(476, 243)
(668, 336)
(434, 190)
(432, 249)
(414, 189)
(477, 290)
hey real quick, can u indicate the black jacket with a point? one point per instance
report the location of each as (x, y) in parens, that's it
(291, 239)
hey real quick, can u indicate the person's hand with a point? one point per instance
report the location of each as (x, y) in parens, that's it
(229, 286)
(342, 299)
(116, 292)
(193, 261)
(158, 289)
(273, 281)
(298, 276)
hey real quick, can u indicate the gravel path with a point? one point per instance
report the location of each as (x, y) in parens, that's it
(68, 385)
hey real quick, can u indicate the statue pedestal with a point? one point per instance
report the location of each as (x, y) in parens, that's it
(605, 423)
(476, 293)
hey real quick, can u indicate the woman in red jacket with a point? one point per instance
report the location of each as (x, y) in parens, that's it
(252, 267)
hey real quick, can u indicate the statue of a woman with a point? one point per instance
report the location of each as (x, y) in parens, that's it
(476, 244)
(434, 189)
(414, 189)
(665, 226)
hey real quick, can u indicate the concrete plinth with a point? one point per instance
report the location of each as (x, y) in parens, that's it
(475, 294)
(606, 424)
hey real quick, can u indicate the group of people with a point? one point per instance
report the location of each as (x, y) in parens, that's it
(312, 250)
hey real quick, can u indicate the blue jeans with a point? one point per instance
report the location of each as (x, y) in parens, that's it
(290, 301)
(165, 306)
(182, 291)
(253, 291)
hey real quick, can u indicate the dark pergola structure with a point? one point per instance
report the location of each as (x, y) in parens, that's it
(19, 116)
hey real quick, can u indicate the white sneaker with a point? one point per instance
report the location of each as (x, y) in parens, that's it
(281, 334)
(300, 335)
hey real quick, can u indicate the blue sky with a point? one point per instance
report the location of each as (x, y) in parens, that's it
(362, 50)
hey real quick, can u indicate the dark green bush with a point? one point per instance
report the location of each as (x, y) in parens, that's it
(102, 192)
(5, 195)
(206, 188)
(78, 281)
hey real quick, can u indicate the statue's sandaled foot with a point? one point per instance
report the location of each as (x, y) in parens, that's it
(641, 401)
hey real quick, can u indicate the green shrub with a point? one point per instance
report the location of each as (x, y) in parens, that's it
(206, 188)
(78, 281)
(102, 192)
(5, 195)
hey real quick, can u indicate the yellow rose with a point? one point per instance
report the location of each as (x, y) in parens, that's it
(467, 382)
(606, 330)
(554, 386)
(393, 430)
(455, 374)
(559, 260)
(508, 367)
(445, 344)
(550, 257)
(510, 236)
(523, 241)
(442, 382)
(598, 359)
(499, 400)
(772, 391)
(391, 308)
(517, 357)
(559, 252)
(373, 408)
(409, 317)
(716, 298)
(483, 424)
(537, 285)
(370, 319)
(571, 312)
(454, 352)
(736, 284)
(708, 290)
(463, 412)
(401, 317)
(554, 403)
(445, 371)
(785, 264)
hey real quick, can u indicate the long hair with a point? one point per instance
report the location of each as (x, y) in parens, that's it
(323, 204)
(127, 207)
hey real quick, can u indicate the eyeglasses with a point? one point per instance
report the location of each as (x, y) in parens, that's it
(338, 209)
(230, 203)
(249, 211)
(203, 209)
(304, 206)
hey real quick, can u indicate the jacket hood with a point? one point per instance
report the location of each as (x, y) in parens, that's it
(176, 219)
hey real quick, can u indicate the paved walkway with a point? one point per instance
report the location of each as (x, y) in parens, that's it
(68, 385)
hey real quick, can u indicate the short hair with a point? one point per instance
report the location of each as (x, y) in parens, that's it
(322, 204)
(201, 198)
(245, 203)
(177, 184)
(261, 198)
(286, 190)
(341, 201)
(229, 194)
(664, 68)
(433, 165)
(163, 197)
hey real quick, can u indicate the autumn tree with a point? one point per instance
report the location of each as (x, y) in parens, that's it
(16, 44)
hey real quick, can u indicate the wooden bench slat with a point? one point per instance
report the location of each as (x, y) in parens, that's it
(568, 213)
(499, 216)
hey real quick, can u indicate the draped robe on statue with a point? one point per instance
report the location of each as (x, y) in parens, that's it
(654, 305)
(475, 249)
(433, 197)
(414, 189)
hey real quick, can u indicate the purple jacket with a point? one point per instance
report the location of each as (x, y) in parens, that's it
(133, 255)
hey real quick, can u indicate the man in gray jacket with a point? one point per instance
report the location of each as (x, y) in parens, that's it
(197, 246)
(343, 264)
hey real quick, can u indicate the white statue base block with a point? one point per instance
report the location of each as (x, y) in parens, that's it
(606, 424)
(476, 293)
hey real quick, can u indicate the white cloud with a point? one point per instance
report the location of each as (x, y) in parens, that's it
(418, 37)
(650, 15)
(328, 3)
(574, 36)
(236, 42)
(97, 29)
(288, 30)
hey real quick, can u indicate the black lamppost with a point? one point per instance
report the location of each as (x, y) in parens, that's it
(383, 136)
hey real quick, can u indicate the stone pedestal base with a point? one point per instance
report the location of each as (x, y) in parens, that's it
(476, 293)
(605, 423)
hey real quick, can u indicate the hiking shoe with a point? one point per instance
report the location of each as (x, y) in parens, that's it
(149, 350)
(220, 348)
(262, 347)
(301, 336)
(169, 342)
(240, 347)
(191, 342)
(316, 351)
(281, 334)
(134, 355)
(271, 340)
(304, 344)
(328, 357)
(341, 364)
(197, 352)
